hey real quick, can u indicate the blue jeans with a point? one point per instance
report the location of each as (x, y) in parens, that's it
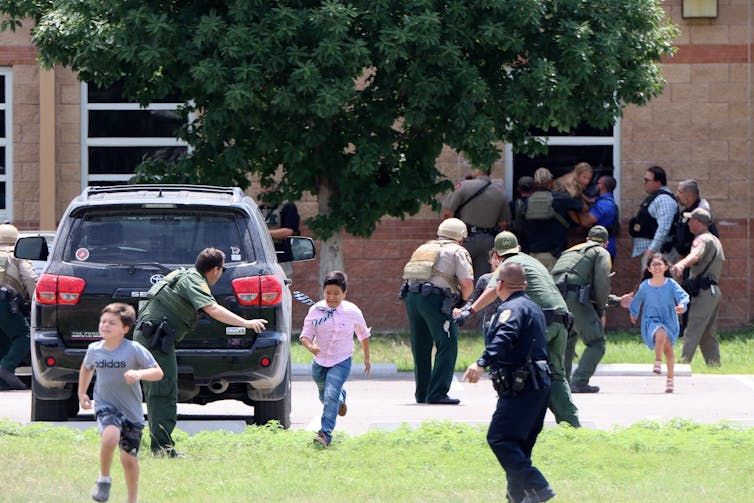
(330, 382)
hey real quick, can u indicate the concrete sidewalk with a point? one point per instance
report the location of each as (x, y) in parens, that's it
(603, 369)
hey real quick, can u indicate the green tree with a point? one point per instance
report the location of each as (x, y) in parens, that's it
(353, 101)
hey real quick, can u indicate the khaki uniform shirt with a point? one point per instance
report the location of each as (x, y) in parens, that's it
(486, 209)
(453, 264)
(17, 274)
(710, 251)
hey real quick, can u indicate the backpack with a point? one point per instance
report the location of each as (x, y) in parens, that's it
(539, 207)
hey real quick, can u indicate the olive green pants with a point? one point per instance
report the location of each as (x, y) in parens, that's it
(587, 326)
(561, 403)
(161, 398)
(431, 328)
(14, 337)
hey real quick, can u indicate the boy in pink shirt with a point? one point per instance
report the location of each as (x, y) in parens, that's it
(328, 333)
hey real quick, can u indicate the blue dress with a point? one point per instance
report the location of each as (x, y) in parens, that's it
(658, 309)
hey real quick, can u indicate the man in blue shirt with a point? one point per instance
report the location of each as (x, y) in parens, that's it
(604, 212)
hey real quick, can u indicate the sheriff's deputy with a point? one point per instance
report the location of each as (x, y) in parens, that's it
(438, 274)
(516, 354)
(17, 283)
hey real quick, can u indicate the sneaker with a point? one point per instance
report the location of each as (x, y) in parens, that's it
(10, 379)
(101, 491)
(321, 439)
(537, 495)
(584, 388)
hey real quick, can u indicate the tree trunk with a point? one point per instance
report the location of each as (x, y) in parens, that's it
(331, 250)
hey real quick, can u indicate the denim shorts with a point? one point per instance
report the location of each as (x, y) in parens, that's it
(130, 433)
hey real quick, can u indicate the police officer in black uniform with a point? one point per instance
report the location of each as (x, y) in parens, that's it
(516, 354)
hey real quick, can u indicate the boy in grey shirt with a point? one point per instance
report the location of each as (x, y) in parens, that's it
(120, 364)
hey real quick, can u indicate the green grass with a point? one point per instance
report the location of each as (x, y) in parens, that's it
(449, 462)
(736, 351)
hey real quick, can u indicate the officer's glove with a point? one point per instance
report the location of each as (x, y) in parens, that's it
(466, 313)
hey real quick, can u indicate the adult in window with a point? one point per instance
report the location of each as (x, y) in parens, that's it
(604, 212)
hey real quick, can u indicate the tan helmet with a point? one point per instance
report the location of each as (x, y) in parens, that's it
(452, 228)
(8, 234)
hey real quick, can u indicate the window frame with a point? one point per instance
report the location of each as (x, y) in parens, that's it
(114, 141)
(571, 141)
(7, 142)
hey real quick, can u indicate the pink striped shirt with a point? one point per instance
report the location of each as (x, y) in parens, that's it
(334, 334)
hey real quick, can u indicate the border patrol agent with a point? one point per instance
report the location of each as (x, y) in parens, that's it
(705, 263)
(168, 316)
(483, 206)
(516, 354)
(542, 290)
(17, 283)
(582, 274)
(437, 276)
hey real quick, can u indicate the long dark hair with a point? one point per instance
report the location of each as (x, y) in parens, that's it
(657, 256)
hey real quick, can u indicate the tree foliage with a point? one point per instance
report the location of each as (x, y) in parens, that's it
(358, 96)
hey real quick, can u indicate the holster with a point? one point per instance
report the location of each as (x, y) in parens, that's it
(585, 293)
(403, 292)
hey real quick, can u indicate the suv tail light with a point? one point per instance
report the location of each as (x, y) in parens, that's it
(54, 289)
(258, 290)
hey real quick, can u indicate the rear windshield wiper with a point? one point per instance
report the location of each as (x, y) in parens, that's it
(143, 265)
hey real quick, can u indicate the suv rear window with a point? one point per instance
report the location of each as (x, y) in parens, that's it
(162, 236)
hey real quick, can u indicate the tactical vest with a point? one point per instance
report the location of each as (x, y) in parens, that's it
(539, 207)
(644, 225)
(168, 300)
(10, 276)
(572, 266)
(421, 266)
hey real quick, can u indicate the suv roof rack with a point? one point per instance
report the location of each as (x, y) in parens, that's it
(113, 189)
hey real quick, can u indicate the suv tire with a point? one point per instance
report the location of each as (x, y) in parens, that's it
(51, 410)
(275, 410)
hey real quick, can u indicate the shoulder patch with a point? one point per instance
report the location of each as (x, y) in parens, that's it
(503, 317)
(205, 287)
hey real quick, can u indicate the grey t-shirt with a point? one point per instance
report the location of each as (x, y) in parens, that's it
(110, 387)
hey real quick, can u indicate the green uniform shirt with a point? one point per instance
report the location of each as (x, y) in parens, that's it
(586, 263)
(178, 298)
(540, 286)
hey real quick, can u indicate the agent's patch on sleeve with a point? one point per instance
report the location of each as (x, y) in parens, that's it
(205, 287)
(503, 317)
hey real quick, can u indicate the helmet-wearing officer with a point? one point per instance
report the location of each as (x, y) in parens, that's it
(173, 307)
(516, 354)
(543, 292)
(17, 283)
(437, 276)
(582, 273)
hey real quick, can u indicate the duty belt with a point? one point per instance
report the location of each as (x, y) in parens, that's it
(481, 230)
(554, 317)
(417, 287)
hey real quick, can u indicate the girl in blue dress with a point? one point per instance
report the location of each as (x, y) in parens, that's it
(660, 299)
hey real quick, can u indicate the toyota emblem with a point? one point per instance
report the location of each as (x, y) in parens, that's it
(156, 278)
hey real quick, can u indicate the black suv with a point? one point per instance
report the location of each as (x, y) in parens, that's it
(114, 243)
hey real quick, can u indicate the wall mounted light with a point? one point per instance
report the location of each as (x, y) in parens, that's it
(699, 9)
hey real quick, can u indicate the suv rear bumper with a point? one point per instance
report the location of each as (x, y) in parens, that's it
(231, 366)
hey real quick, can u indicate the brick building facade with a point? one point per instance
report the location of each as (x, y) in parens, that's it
(700, 127)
